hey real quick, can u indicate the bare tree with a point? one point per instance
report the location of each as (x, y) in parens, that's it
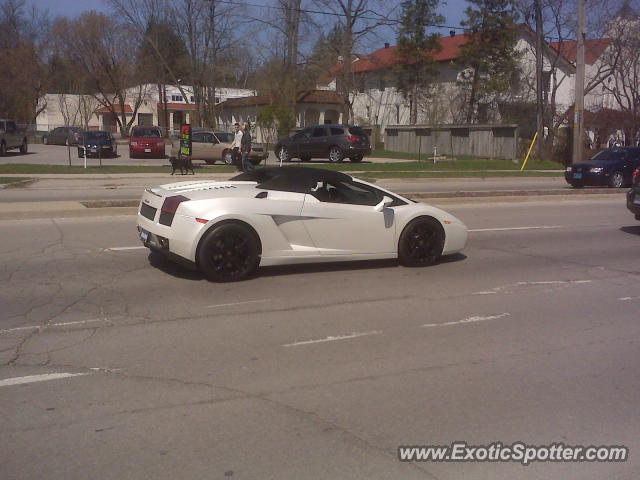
(356, 20)
(101, 47)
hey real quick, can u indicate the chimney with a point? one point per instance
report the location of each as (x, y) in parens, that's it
(386, 45)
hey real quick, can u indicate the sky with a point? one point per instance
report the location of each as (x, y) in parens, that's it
(453, 10)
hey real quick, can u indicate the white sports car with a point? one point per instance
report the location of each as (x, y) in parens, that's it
(277, 216)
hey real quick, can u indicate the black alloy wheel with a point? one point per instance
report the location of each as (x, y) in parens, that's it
(356, 158)
(336, 155)
(616, 180)
(305, 158)
(227, 157)
(3, 149)
(283, 155)
(229, 252)
(421, 243)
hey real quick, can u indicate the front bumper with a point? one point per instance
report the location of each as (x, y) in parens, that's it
(633, 201)
(147, 150)
(103, 151)
(587, 178)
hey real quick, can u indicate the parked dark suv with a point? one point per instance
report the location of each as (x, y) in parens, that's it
(62, 136)
(335, 142)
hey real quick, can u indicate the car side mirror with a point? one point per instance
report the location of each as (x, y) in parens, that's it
(318, 186)
(385, 202)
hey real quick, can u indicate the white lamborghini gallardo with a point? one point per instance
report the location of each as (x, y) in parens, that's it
(277, 216)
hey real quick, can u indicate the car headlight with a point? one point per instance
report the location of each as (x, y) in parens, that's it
(568, 169)
(134, 144)
(596, 170)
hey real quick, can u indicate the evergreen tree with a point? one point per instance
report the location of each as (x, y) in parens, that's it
(416, 48)
(490, 49)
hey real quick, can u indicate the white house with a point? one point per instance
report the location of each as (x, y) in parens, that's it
(169, 110)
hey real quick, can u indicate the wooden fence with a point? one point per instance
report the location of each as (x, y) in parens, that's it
(490, 141)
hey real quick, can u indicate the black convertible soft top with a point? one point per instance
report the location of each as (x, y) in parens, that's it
(290, 179)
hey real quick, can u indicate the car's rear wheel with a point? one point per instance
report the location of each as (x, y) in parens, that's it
(24, 148)
(356, 158)
(336, 155)
(421, 243)
(229, 252)
(227, 157)
(305, 158)
(283, 155)
(577, 184)
(3, 149)
(616, 180)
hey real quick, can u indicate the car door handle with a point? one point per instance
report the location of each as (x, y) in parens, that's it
(262, 195)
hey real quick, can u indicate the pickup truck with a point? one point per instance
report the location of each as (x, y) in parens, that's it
(11, 137)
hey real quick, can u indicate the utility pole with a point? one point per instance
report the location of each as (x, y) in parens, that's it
(539, 83)
(578, 111)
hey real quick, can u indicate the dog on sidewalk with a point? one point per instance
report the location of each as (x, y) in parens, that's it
(182, 163)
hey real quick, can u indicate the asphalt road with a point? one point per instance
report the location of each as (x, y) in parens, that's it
(320, 372)
(118, 187)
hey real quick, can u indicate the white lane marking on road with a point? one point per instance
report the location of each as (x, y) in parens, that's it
(64, 324)
(483, 293)
(237, 303)
(120, 249)
(624, 299)
(332, 338)
(541, 227)
(38, 378)
(473, 319)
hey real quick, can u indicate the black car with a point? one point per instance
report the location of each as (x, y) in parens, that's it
(633, 195)
(335, 142)
(97, 143)
(62, 136)
(612, 167)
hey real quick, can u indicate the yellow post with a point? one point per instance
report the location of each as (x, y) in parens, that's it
(533, 142)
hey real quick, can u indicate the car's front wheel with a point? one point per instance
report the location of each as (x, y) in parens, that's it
(616, 180)
(229, 252)
(305, 158)
(421, 243)
(356, 158)
(336, 155)
(283, 155)
(227, 157)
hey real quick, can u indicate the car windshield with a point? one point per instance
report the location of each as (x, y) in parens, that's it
(610, 155)
(96, 136)
(146, 133)
(225, 137)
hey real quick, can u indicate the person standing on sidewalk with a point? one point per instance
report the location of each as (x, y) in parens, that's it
(236, 146)
(245, 148)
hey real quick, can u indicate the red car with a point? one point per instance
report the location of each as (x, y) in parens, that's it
(146, 142)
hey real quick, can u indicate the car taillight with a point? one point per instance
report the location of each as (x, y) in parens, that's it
(636, 176)
(353, 138)
(169, 208)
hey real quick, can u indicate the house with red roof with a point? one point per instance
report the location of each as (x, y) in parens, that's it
(377, 101)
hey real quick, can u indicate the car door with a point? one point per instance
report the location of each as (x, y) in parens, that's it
(341, 219)
(631, 162)
(198, 147)
(318, 143)
(54, 136)
(300, 143)
(208, 147)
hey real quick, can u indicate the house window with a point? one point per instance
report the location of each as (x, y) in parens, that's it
(218, 99)
(546, 82)
(176, 98)
(193, 99)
